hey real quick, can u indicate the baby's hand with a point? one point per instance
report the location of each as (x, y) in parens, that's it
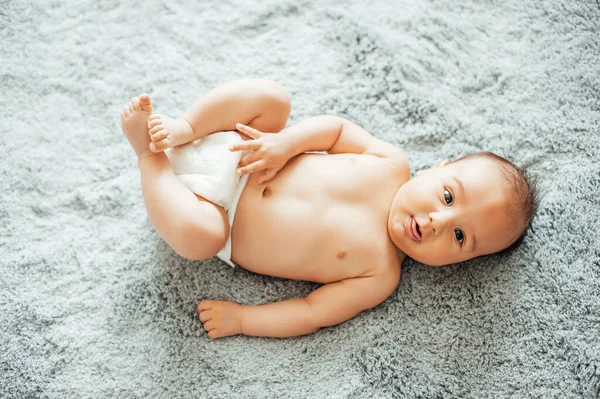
(270, 152)
(220, 318)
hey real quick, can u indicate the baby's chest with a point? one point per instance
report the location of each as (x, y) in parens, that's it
(349, 251)
(301, 241)
(339, 177)
(322, 218)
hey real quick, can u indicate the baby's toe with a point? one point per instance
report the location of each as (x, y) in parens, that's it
(135, 102)
(159, 135)
(158, 132)
(156, 128)
(158, 146)
(145, 103)
(153, 123)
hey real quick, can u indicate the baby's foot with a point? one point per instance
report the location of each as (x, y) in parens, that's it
(166, 132)
(134, 122)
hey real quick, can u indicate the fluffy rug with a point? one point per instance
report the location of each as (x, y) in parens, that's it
(94, 304)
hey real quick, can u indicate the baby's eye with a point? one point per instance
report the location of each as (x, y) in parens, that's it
(459, 236)
(448, 197)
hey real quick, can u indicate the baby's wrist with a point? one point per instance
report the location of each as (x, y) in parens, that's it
(291, 146)
(241, 320)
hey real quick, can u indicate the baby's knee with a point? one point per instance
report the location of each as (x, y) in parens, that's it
(278, 96)
(278, 92)
(196, 242)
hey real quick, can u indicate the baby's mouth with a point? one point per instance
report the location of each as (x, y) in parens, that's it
(418, 230)
(412, 229)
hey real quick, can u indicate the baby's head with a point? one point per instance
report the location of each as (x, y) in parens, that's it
(477, 205)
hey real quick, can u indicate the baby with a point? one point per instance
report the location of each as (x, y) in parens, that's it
(346, 217)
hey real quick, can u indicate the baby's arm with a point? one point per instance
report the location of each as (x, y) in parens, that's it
(270, 152)
(336, 135)
(328, 305)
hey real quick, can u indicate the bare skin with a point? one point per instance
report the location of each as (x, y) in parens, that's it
(167, 132)
(329, 226)
(302, 224)
(134, 117)
(333, 218)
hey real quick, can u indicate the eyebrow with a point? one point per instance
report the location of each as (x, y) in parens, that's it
(459, 184)
(462, 189)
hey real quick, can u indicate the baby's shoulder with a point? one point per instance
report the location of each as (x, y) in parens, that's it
(394, 156)
(400, 168)
(389, 151)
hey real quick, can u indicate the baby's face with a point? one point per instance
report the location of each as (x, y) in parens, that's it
(460, 210)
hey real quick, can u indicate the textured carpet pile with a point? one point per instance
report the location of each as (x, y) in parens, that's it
(94, 304)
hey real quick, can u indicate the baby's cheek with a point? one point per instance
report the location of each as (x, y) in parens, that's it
(432, 255)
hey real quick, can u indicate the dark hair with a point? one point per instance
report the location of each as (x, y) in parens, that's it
(522, 191)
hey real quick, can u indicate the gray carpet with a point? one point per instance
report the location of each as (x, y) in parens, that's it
(94, 304)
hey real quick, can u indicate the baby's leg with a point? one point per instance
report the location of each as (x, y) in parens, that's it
(194, 229)
(262, 103)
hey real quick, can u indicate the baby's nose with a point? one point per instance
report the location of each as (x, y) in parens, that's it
(438, 221)
(426, 228)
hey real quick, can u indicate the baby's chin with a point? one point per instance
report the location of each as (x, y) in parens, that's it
(439, 260)
(428, 262)
(428, 259)
(419, 256)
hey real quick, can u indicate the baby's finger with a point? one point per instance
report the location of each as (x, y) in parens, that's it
(267, 175)
(209, 325)
(246, 145)
(253, 168)
(244, 136)
(205, 316)
(250, 158)
(204, 305)
(250, 131)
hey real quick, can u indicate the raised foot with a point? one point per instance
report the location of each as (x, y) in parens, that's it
(134, 122)
(167, 132)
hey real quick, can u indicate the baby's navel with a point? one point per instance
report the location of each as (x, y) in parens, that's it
(266, 192)
(341, 255)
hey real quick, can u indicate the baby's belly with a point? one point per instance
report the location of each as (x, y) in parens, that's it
(321, 219)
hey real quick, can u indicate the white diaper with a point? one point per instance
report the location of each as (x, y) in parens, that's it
(209, 169)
